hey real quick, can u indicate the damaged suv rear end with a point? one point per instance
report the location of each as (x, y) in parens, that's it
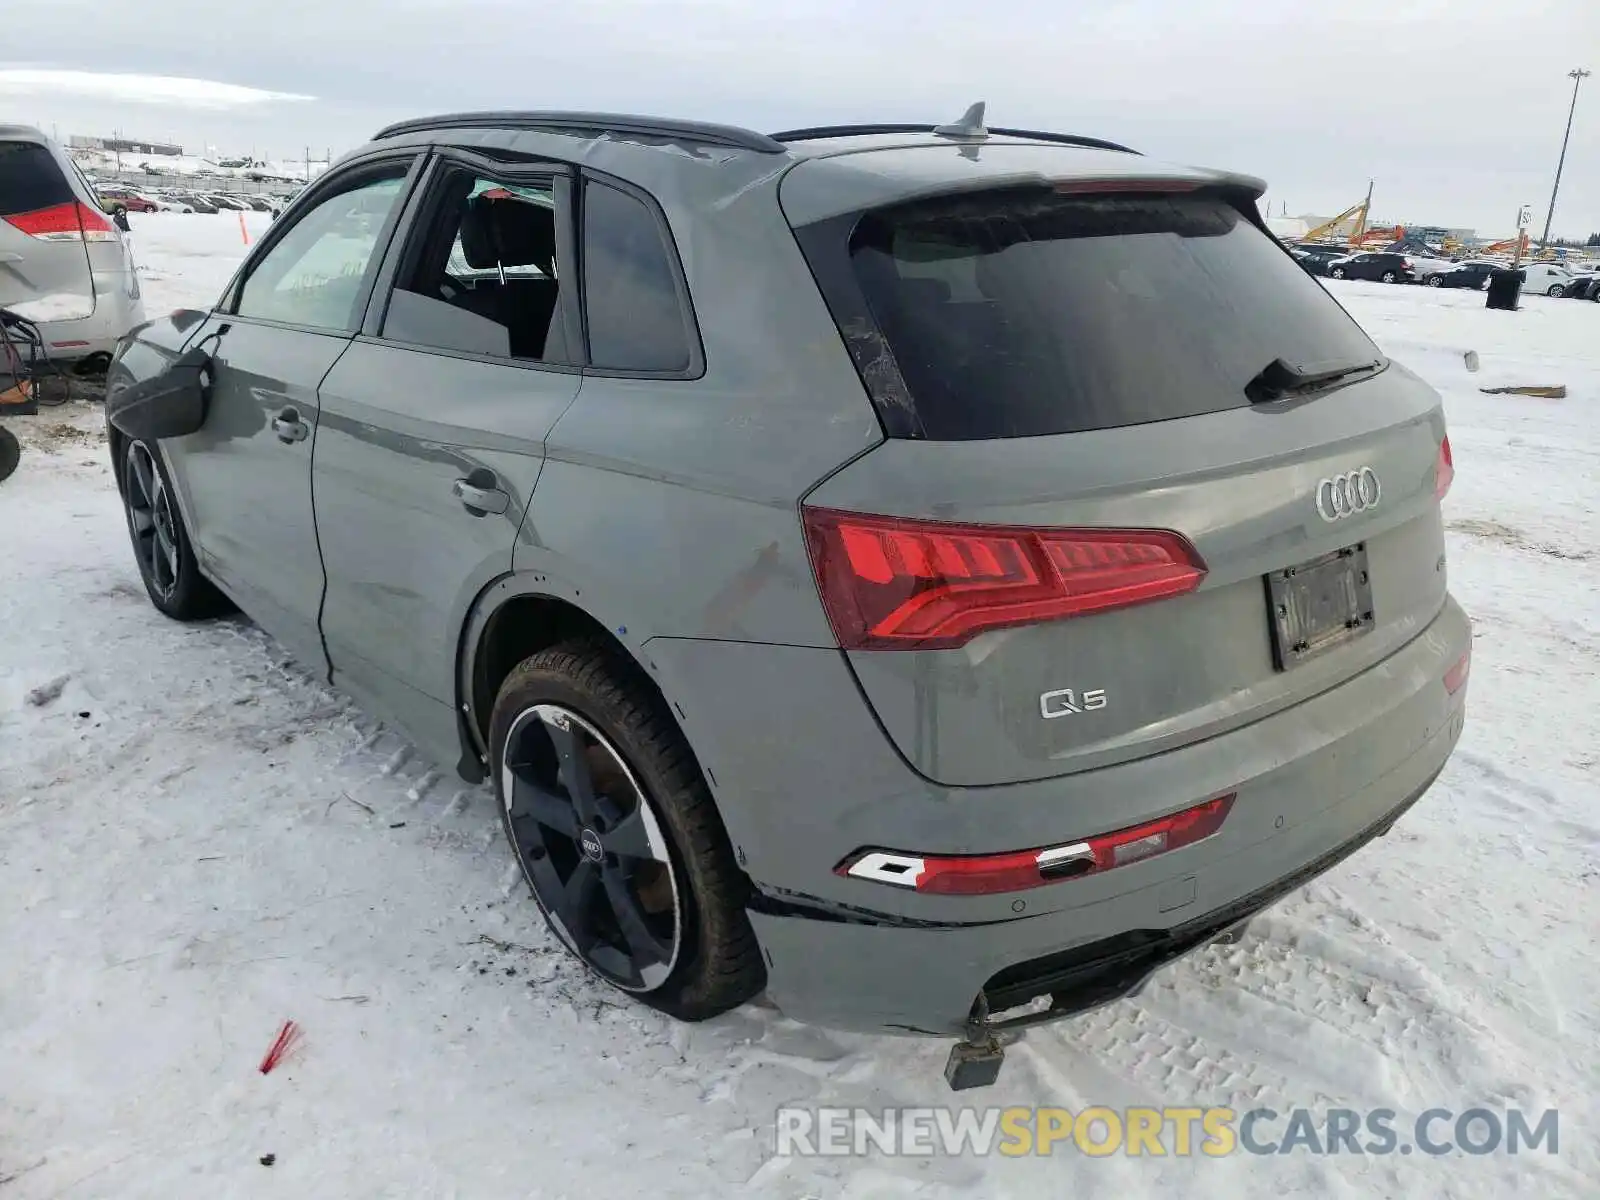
(1145, 586)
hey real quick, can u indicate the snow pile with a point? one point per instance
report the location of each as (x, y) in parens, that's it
(198, 843)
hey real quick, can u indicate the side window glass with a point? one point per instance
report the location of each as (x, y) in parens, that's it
(636, 322)
(481, 275)
(312, 275)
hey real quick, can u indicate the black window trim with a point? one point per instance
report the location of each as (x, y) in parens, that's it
(331, 183)
(422, 206)
(696, 367)
(825, 249)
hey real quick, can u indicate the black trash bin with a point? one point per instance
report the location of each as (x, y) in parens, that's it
(1505, 287)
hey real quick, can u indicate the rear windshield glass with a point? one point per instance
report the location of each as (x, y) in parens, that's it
(29, 179)
(1030, 312)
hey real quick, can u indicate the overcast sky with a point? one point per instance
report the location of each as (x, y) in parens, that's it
(1454, 107)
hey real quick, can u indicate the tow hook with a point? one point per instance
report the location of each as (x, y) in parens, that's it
(975, 1061)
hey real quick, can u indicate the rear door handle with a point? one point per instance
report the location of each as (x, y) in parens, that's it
(289, 427)
(480, 500)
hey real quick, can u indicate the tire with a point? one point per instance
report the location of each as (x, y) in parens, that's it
(1390, 277)
(588, 691)
(1554, 290)
(1337, 272)
(10, 453)
(161, 545)
(1434, 281)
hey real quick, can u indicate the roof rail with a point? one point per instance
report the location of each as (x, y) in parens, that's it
(1037, 135)
(593, 123)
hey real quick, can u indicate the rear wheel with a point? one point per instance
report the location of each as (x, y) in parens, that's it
(161, 545)
(1337, 272)
(1390, 277)
(616, 832)
(1435, 281)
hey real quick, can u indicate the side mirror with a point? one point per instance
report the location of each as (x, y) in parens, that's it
(171, 404)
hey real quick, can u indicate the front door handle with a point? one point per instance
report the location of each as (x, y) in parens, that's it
(480, 501)
(289, 427)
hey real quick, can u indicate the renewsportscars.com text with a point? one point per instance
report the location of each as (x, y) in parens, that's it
(1098, 1132)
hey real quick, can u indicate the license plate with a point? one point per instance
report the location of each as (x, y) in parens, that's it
(1318, 605)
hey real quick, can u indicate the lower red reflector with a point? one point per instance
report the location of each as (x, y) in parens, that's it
(1019, 870)
(1456, 676)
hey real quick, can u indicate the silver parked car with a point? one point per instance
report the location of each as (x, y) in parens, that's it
(938, 575)
(63, 264)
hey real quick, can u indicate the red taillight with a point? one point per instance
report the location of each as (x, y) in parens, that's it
(891, 583)
(1445, 471)
(1456, 676)
(985, 874)
(70, 222)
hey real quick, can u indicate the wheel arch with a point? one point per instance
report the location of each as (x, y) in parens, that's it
(117, 444)
(513, 617)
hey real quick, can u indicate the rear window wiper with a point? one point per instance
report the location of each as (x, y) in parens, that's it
(1280, 377)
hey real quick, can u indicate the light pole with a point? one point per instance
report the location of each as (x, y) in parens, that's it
(1577, 76)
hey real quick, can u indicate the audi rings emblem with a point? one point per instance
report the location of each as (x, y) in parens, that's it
(1348, 494)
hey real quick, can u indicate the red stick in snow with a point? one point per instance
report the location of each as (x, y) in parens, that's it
(280, 1046)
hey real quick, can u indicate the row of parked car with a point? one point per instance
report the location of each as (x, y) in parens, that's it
(117, 199)
(1387, 266)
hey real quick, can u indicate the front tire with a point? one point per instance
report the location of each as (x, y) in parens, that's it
(616, 832)
(1555, 290)
(1434, 281)
(161, 545)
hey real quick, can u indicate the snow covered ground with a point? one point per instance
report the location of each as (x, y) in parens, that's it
(198, 842)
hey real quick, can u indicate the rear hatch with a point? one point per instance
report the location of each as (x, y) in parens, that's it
(45, 231)
(1145, 481)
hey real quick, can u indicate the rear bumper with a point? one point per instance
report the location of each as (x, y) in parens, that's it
(885, 979)
(803, 777)
(115, 312)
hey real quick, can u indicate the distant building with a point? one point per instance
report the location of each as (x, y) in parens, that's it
(123, 146)
(1438, 233)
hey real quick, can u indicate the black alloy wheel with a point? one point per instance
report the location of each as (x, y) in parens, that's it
(152, 521)
(592, 848)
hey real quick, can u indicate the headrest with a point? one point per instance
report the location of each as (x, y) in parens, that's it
(508, 232)
(477, 237)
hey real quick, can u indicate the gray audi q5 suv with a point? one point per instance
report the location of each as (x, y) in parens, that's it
(935, 574)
